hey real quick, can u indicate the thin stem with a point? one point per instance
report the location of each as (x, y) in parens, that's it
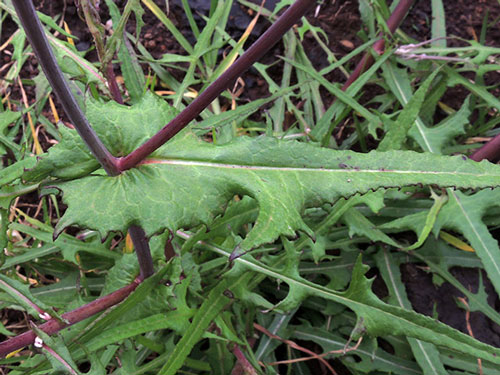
(392, 23)
(226, 80)
(244, 365)
(96, 29)
(142, 250)
(36, 35)
(490, 150)
(113, 84)
(69, 318)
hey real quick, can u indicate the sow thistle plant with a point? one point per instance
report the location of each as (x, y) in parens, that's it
(248, 206)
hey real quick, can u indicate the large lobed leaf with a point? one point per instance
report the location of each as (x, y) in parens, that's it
(188, 181)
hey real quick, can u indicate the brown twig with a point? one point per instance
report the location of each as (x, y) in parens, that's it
(294, 345)
(469, 329)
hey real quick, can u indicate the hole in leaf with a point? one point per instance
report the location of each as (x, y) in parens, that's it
(385, 346)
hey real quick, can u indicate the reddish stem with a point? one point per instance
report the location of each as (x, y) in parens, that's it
(36, 36)
(113, 85)
(392, 23)
(226, 80)
(142, 251)
(490, 150)
(72, 317)
(245, 367)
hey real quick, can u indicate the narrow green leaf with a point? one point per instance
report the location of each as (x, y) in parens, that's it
(266, 343)
(139, 295)
(438, 27)
(133, 75)
(10, 192)
(22, 295)
(441, 134)
(399, 83)
(211, 307)
(372, 359)
(360, 225)
(57, 353)
(396, 134)
(344, 97)
(422, 227)
(425, 353)
(33, 253)
(170, 320)
(16, 170)
(433, 253)
(169, 25)
(457, 79)
(241, 113)
(464, 214)
(377, 317)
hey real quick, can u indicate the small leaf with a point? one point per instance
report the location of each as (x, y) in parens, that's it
(441, 134)
(396, 134)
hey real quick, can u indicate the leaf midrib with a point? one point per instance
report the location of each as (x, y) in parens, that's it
(212, 164)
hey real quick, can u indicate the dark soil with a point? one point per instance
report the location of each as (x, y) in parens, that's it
(341, 22)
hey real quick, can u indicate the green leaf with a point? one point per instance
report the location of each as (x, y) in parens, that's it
(397, 132)
(372, 359)
(72, 159)
(8, 117)
(187, 182)
(440, 134)
(57, 353)
(421, 223)
(170, 320)
(377, 317)
(399, 83)
(155, 195)
(425, 353)
(208, 311)
(9, 192)
(21, 294)
(16, 170)
(360, 225)
(477, 301)
(463, 213)
(133, 75)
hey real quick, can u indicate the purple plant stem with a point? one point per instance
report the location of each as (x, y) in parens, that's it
(53, 353)
(245, 366)
(112, 84)
(36, 35)
(490, 150)
(392, 23)
(142, 251)
(253, 54)
(46, 59)
(72, 317)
